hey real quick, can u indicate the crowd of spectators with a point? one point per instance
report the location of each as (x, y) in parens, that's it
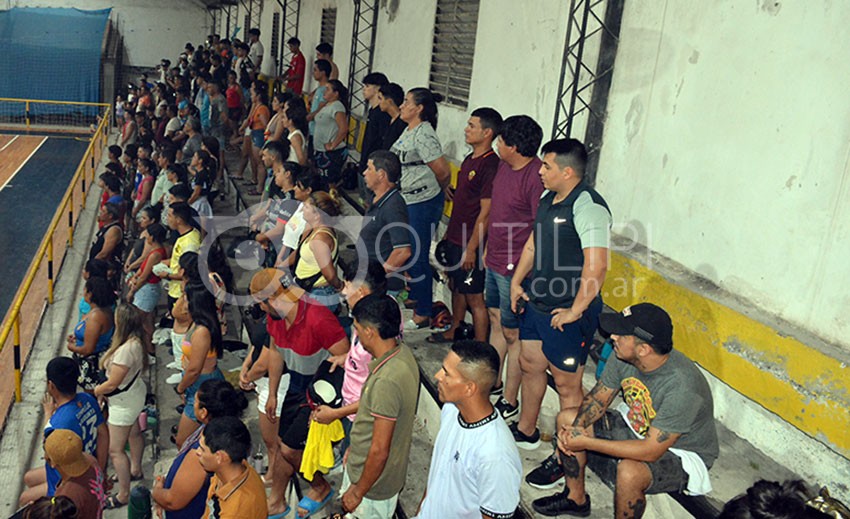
(525, 252)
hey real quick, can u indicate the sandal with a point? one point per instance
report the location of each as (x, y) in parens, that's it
(112, 502)
(114, 478)
(312, 506)
(410, 324)
(253, 192)
(438, 338)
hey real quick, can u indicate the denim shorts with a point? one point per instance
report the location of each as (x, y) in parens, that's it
(497, 294)
(147, 297)
(668, 475)
(567, 349)
(258, 138)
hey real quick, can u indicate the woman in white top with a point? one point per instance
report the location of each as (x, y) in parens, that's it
(424, 175)
(124, 389)
(330, 131)
(275, 127)
(294, 119)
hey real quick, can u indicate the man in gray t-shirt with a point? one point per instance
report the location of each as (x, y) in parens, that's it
(663, 433)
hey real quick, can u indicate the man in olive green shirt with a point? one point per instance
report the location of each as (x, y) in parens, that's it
(383, 429)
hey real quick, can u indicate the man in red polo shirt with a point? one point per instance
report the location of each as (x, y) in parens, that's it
(297, 67)
(305, 334)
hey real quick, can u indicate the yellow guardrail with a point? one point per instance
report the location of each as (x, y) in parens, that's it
(99, 141)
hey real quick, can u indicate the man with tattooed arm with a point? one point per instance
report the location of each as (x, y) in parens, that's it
(663, 433)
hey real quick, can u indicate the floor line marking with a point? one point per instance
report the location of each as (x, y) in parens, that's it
(10, 142)
(43, 140)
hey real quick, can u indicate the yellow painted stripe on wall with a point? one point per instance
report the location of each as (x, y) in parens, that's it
(454, 168)
(797, 382)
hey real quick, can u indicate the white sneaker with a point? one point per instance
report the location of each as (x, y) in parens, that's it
(174, 378)
(173, 365)
(161, 336)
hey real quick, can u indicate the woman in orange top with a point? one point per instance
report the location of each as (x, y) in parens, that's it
(253, 129)
(201, 350)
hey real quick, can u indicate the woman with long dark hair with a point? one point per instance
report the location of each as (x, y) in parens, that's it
(93, 333)
(424, 175)
(331, 131)
(182, 492)
(294, 119)
(201, 350)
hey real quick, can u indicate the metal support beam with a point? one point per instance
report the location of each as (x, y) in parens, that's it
(584, 84)
(291, 15)
(253, 13)
(362, 51)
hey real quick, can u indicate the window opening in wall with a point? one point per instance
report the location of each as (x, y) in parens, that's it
(454, 47)
(328, 25)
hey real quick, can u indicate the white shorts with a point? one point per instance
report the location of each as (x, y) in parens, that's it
(124, 408)
(369, 508)
(262, 389)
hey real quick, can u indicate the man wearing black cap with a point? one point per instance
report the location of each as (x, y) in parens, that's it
(663, 433)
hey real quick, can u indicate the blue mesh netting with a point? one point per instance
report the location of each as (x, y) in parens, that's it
(51, 53)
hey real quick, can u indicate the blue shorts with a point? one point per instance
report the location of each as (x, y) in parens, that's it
(189, 409)
(497, 294)
(568, 349)
(147, 297)
(258, 137)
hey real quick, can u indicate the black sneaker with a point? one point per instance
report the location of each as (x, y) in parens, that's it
(559, 504)
(497, 390)
(524, 442)
(506, 409)
(547, 475)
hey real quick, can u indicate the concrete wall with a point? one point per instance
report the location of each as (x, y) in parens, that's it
(152, 29)
(728, 139)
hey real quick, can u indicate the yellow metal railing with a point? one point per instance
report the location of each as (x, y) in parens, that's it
(30, 103)
(86, 168)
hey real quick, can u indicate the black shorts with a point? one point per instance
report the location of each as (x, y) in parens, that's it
(294, 420)
(667, 472)
(464, 282)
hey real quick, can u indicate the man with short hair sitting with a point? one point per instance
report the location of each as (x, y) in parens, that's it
(664, 434)
(64, 408)
(82, 479)
(236, 490)
(475, 469)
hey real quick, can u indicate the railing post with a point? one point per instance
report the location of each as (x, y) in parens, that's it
(50, 270)
(16, 347)
(71, 220)
(27, 110)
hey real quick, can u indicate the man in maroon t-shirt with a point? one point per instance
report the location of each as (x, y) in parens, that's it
(467, 228)
(297, 67)
(516, 194)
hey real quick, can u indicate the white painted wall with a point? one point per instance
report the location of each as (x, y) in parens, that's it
(728, 139)
(152, 29)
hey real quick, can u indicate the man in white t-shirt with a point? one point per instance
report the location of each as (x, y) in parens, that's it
(256, 50)
(475, 468)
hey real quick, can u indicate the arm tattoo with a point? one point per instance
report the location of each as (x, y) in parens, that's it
(663, 436)
(593, 406)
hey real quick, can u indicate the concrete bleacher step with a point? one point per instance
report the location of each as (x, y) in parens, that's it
(739, 465)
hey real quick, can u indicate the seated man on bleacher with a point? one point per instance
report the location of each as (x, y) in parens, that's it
(663, 434)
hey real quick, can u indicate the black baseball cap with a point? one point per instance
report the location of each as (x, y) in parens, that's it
(645, 321)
